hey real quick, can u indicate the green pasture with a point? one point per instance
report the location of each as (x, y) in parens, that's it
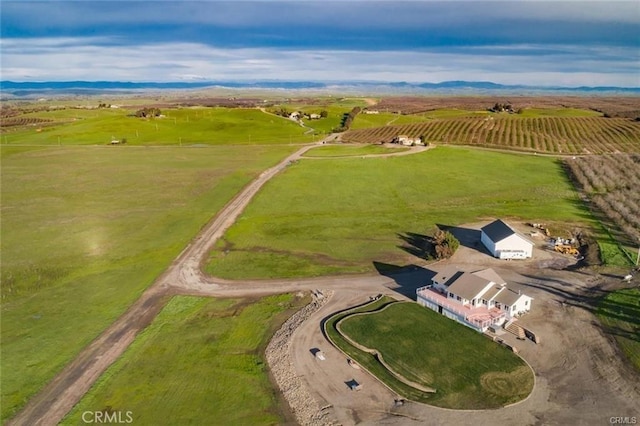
(467, 370)
(365, 121)
(619, 313)
(556, 112)
(181, 126)
(339, 216)
(200, 362)
(86, 229)
(335, 110)
(351, 150)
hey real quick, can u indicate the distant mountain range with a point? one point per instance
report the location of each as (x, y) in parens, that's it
(29, 89)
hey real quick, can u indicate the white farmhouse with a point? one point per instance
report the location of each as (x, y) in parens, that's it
(408, 141)
(505, 243)
(479, 299)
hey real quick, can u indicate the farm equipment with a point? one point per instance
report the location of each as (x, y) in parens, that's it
(566, 249)
(541, 227)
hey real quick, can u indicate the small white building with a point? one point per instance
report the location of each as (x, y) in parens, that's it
(505, 243)
(406, 140)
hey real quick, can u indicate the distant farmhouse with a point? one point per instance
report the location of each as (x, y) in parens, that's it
(406, 140)
(505, 243)
(478, 299)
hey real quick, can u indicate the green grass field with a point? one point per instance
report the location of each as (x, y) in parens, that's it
(338, 216)
(619, 312)
(467, 370)
(200, 362)
(335, 109)
(86, 229)
(557, 112)
(351, 150)
(365, 121)
(187, 126)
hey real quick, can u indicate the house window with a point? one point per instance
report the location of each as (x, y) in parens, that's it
(498, 305)
(526, 303)
(473, 302)
(484, 302)
(458, 298)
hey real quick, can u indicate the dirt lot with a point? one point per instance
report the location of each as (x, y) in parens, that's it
(580, 378)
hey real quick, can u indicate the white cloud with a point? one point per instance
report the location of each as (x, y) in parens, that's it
(99, 59)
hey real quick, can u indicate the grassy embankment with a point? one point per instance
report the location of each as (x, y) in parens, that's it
(467, 370)
(619, 313)
(338, 216)
(86, 229)
(184, 126)
(200, 362)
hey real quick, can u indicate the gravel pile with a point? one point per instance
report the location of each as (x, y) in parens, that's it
(304, 407)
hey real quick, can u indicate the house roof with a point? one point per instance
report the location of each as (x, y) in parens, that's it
(508, 297)
(492, 292)
(449, 274)
(497, 230)
(490, 275)
(468, 286)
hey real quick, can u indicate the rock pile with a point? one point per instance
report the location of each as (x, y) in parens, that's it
(305, 408)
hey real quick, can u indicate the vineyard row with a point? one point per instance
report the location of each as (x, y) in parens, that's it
(563, 135)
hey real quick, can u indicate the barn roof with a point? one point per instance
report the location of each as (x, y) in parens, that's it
(497, 230)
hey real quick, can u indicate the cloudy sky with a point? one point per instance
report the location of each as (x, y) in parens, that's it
(568, 43)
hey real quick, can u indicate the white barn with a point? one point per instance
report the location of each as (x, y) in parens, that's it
(505, 243)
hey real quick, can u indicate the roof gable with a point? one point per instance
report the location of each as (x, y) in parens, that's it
(490, 275)
(447, 276)
(509, 297)
(468, 286)
(497, 230)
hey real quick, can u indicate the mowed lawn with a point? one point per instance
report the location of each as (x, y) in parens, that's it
(340, 215)
(86, 229)
(619, 312)
(186, 126)
(200, 362)
(467, 370)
